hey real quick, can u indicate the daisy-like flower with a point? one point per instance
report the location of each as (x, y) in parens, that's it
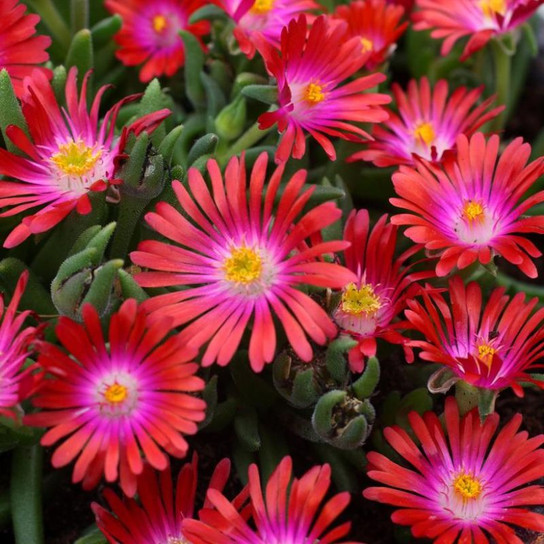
(69, 153)
(427, 123)
(150, 34)
(20, 49)
(491, 347)
(479, 19)
(118, 402)
(238, 263)
(370, 304)
(462, 484)
(158, 514)
(310, 69)
(266, 17)
(470, 208)
(16, 384)
(290, 511)
(377, 24)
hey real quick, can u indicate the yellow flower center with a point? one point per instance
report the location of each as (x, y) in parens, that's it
(473, 211)
(467, 486)
(244, 265)
(357, 301)
(174, 540)
(116, 393)
(367, 44)
(492, 7)
(314, 94)
(260, 7)
(75, 158)
(485, 353)
(159, 23)
(425, 133)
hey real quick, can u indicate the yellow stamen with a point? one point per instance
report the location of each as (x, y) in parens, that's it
(159, 23)
(492, 7)
(485, 353)
(357, 301)
(244, 265)
(467, 486)
(473, 211)
(75, 158)
(314, 94)
(367, 44)
(260, 7)
(116, 393)
(425, 132)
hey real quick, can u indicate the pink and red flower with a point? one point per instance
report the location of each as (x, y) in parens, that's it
(16, 383)
(377, 24)
(462, 483)
(69, 154)
(150, 33)
(289, 511)
(491, 347)
(115, 404)
(159, 513)
(472, 206)
(265, 17)
(370, 304)
(310, 68)
(427, 123)
(20, 49)
(235, 262)
(479, 19)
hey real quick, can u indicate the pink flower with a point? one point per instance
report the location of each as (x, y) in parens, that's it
(471, 207)
(115, 404)
(427, 125)
(310, 68)
(460, 484)
(235, 262)
(69, 154)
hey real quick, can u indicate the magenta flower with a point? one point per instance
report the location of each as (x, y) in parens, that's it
(461, 484)
(237, 263)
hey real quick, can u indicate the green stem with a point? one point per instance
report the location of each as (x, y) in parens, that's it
(250, 137)
(54, 21)
(502, 60)
(79, 10)
(26, 494)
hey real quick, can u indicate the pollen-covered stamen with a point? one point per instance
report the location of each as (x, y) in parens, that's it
(486, 353)
(260, 7)
(360, 301)
(115, 393)
(473, 211)
(424, 132)
(244, 266)
(75, 158)
(314, 94)
(159, 22)
(467, 486)
(493, 7)
(177, 540)
(367, 44)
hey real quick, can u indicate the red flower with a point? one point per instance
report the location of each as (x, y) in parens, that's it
(472, 206)
(310, 68)
(235, 262)
(116, 403)
(20, 49)
(377, 25)
(491, 347)
(150, 33)
(461, 485)
(158, 514)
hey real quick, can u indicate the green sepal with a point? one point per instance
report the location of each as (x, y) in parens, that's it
(154, 100)
(231, 120)
(353, 435)
(99, 293)
(322, 417)
(486, 402)
(92, 536)
(84, 238)
(246, 427)
(103, 31)
(263, 93)
(80, 54)
(58, 83)
(335, 357)
(365, 385)
(10, 111)
(215, 98)
(129, 287)
(168, 144)
(205, 145)
(132, 171)
(194, 64)
(206, 13)
(96, 237)
(299, 386)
